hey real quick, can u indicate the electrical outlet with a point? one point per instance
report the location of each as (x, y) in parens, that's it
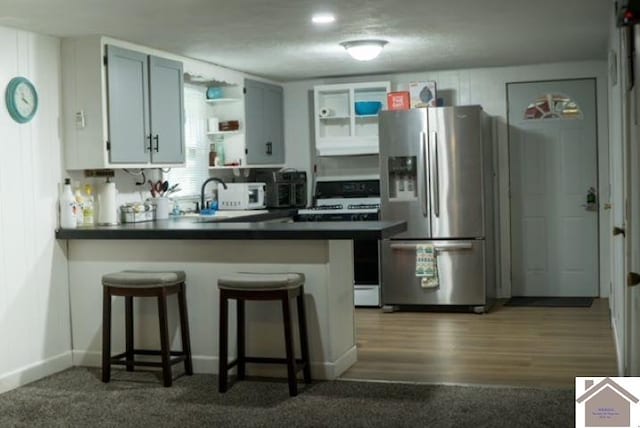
(80, 120)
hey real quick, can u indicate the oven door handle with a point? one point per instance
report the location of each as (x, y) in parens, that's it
(438, 247)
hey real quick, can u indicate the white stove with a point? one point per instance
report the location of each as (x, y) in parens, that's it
(344, 199)
(342, 209)
(352, 199)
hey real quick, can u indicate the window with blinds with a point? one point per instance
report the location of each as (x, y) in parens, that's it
(197, 144)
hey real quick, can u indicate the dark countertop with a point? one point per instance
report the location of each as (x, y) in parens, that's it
(248, 227)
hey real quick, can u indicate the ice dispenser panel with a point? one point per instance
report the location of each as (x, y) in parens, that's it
(403, 178)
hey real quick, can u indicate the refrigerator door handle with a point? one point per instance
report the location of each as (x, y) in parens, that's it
(453, 247)
(435, 175)
(424, 185)
(438, 247)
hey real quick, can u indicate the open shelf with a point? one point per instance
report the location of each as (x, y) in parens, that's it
(335, 118)
(339, 131)
(225, 132)
(222, 100)
(245, 166)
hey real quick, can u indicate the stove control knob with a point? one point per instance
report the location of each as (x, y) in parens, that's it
(354, 217)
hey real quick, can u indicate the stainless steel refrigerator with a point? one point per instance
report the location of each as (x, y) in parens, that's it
(437, 174)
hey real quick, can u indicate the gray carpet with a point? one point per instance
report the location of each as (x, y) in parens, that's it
(77, 398)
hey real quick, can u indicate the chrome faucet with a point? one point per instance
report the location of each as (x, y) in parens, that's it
(205, 184)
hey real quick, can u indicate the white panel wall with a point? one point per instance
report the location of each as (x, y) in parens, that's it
(617, 126)
(34, 301)
(487, 87)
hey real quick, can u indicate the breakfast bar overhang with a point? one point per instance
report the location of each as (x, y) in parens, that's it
(206, 251)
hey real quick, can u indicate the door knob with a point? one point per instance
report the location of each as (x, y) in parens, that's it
(618, 231)
(633, 279)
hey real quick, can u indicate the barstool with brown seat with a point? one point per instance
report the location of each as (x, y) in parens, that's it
(263, 286)
(137, 283)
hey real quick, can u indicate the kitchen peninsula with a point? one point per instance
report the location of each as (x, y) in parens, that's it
(206, 250)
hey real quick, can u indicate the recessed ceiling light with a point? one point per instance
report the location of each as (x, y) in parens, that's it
(364, 50)
(323, 18)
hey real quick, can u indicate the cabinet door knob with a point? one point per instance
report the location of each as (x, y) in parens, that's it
(156, 138)
(633, 279)
(148, 148)
(618, 231)
(269, 148)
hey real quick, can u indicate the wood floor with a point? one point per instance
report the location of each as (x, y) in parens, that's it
(508, 346)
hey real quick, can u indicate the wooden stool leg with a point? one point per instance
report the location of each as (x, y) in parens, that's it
(222, 348)
(106, 335)
(241, 338)
(304, 340)
(164, 338)
(128, 315)
(184, 329)
(288, 342)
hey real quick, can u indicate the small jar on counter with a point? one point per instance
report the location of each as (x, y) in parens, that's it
(213, 155)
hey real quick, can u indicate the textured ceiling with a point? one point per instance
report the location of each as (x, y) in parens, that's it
(275, 38)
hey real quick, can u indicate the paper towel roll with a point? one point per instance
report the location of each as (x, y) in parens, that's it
(326, 112)
(107, 208)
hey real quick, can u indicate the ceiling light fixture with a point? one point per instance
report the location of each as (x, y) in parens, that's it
(364, 50)
(323, 18)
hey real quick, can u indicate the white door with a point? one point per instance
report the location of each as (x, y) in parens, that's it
(553, 165)
(629, 211)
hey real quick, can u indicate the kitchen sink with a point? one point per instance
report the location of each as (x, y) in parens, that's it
(227, 215)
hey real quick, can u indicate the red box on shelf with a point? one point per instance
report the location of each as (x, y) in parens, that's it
(398, 100)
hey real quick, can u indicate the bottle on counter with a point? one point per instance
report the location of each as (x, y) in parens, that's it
(77, 194)
(67, 206)
(89, 216)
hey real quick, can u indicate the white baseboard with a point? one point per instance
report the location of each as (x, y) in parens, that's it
(209, 365)
(343, 363)
(35, 371)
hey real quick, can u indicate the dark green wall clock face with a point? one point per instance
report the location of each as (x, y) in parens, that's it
(22, 99)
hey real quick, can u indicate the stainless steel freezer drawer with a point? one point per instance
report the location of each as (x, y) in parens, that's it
(461, 271)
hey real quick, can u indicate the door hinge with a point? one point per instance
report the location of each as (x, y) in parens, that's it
(105, 61)
(108, 146)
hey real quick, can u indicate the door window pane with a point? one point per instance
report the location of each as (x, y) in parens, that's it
(553, 106)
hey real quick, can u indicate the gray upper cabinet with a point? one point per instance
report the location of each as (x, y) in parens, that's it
(167, 107)
(115, 101)
(264, 115)
(128, 94)
(145, 102)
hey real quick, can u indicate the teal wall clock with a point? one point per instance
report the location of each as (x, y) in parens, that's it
(22, 99)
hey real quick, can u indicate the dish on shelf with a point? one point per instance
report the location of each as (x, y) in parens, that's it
(214, 92)
(367, 108)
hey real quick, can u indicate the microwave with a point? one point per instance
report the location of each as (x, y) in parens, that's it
(285, 189)
(241, 196)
